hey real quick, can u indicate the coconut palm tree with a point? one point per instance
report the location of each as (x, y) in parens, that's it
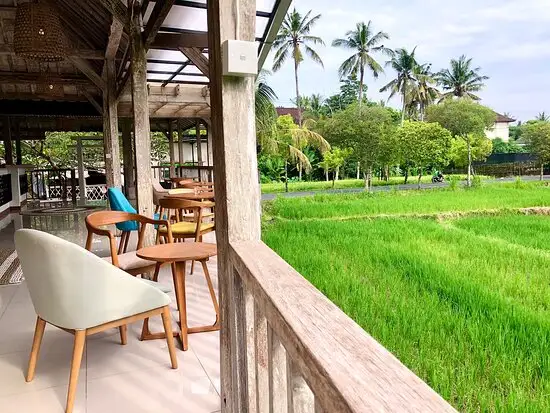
(543, 117)
(315, 108)
(461, 80)
(423, 91)
(293, 36)
(404, 63)
(364, 43)
(266, 115)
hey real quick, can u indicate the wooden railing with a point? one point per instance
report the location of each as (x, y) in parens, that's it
(298, 352)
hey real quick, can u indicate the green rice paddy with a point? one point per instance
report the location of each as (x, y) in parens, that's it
(462, 299)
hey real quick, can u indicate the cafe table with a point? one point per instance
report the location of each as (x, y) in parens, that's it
(177, 254)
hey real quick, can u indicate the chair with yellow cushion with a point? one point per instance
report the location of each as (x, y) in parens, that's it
(181, 229)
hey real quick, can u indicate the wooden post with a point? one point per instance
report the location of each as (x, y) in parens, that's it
(199, 148)
(8, 148)
(81, 178)
(236, 182)
(128, 159)
(142, 129)
(18, 154)
(180, 146)
(171, 143)
(110, 127)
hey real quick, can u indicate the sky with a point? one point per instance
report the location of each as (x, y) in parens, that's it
(508, 39)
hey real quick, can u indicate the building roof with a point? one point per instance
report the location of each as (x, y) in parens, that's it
(504, 119)
(288, 111)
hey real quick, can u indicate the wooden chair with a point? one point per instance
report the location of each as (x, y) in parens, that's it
(200, 186)
(82, 294)
(127, 261)
(182, 229)
(159, 192)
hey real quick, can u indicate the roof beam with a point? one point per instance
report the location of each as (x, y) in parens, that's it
(195, 55)
(173, 41)
(272, 29)
(88, 71)
(158, 15)
(33, 96)
(92, 100)
(118, 10)
(34, 78)
(114, 39)
(90, 54)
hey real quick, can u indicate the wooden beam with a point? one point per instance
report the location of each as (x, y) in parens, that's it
(236, 182)
(187, 95)
(32, 96)
(88, 71)
(92, 100)
(114, 39)
(195, 55)
(272, 29)
(118, 10)
(171, 147)
(128, 160)
(142, 128)
(173, 41)
(90, 54)
(110, 128)
(199, 148)
(34, 78)
(6, 135)
(157, 17)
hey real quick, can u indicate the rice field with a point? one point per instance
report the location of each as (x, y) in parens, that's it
(462, 299)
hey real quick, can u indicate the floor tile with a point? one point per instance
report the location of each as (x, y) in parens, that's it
(51, 400)
(6, 296)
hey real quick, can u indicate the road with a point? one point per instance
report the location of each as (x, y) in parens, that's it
(382, 188)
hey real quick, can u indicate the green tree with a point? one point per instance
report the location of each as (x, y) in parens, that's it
(461, 80)
(537, 137)
(404, 64)
(333, 160)
(364, 43)
(315, 107)
(500, 146)
(266, 115)
(424, 144)
(293, 36)
(290, 142)
(365, 129)
(466, 120)
(349, 94)
(159, 147)
(479, 149)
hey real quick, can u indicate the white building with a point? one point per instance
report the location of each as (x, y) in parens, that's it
(501, 129)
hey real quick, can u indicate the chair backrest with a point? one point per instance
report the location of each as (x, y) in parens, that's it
(73, 288)
(119, 202)
(158, 191)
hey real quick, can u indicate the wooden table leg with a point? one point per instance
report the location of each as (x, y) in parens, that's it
(178, 272)
(216, 325)
(145, 332)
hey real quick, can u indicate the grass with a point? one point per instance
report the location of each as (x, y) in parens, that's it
(464, 302)
(409, 202)
(278, 187)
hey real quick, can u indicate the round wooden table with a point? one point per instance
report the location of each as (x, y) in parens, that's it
(177, 181)
(177, 254)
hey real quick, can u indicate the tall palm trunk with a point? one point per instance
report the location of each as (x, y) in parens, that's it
(361, 77)
(298, 103)
(403, 110)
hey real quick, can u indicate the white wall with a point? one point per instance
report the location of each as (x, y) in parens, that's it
(500, 130)
(188, 156)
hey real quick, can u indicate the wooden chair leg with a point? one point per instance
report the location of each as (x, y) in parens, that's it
(121, 243)
(123, 334)
(126, 242)
(37, 341)
(167, 322)
(79, 341)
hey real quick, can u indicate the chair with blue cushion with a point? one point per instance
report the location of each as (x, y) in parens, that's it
(119, 202)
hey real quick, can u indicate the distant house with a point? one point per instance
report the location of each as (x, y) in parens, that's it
(288, 111)
(501, 129)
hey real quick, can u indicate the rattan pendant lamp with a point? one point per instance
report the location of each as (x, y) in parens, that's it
(38, 34)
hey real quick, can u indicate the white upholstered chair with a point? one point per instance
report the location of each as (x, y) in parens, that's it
(75, 290)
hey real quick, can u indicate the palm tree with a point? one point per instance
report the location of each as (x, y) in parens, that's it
(404, 64)
(364, 42)
(543, 117)
(315, 108)
(461, 80)
(423, 90)
(266, 115)
(294, 34)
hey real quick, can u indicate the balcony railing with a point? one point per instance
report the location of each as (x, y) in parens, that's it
(295, 351)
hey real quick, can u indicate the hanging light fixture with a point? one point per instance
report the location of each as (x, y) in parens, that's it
(38, 34)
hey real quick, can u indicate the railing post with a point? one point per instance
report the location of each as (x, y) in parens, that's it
(236, 180)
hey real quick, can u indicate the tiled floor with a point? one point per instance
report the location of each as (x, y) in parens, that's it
(134, 378)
